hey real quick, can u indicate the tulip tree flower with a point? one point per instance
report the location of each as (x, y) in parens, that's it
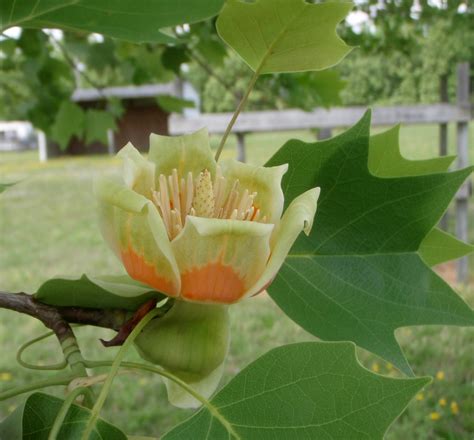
(201, 233)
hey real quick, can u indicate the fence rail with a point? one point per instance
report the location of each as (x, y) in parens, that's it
(264, 121)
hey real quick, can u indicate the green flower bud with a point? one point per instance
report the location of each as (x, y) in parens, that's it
(191, 341)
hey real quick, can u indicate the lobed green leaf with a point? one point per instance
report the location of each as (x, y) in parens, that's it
(310, 390)
(137, 20)
(284, 35)
(34, 419)
(359, 275)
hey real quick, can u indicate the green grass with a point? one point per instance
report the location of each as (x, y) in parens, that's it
(48, 227)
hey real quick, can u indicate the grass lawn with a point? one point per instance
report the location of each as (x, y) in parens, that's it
(48, 227)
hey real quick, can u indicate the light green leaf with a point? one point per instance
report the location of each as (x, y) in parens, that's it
(284, 35)
(439, 246)
(359, 275)
(172, 104)
(34, 419)
(310, 390)
(138, 20)
(69, 122)
(386, 160)
(97, 123)
(106, 292)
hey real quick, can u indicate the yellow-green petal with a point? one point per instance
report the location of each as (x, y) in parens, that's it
(191, 342)
(138, 173)
(187, 153)
(265, 181)
(219, 260)
(298, 217)
(131, 225)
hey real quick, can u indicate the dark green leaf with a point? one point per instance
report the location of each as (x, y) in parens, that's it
(284, 35)
(310, 390)
(106, 292)
(386, 160)
(173, 57)
(34, 419)
(137, 20)
(359, 275)
(101, 55)
(69, 122)
(97, 123)
(172, 104)
(7, 47)
(115, 107)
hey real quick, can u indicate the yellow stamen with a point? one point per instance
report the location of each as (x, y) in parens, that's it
(177, 197)
(204, 199)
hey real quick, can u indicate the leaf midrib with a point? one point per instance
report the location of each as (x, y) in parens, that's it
(32, 15)
(414, 384)
(277, 39)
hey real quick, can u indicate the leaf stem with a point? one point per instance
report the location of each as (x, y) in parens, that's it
(150, 368)
(58, 366)
(32, 386)
(113, 372)
(239, 108)
(61, 416)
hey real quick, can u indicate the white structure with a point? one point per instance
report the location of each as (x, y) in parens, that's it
(17, 135)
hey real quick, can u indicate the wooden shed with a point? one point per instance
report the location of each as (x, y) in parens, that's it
(142, 116)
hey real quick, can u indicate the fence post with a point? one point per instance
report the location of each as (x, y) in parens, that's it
(241, 147)
(42, 146)
(324, 133)
(443, 138)
(462, 198)
(110, 142)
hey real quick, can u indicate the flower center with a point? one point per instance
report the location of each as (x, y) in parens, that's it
(177, 198)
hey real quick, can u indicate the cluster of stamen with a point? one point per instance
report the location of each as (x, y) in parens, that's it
(177, 198)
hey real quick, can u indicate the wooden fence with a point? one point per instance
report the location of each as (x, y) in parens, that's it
(442, 113)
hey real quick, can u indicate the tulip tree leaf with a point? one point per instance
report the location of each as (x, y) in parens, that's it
(359, 275)
(137, 20)
(309, 390)
(106, 292)
(34, 418)
(69, 122)
(439, 246)
(97, 123)
(172, 104)
(284, 35)
(386, 160)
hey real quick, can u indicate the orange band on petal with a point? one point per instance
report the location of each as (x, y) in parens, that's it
(214, 282)
(145, 272)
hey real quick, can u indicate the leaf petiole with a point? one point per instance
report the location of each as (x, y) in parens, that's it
(58, 366)
(52, 381)
(113, 372)
(237, 111)
(151, 369)
(62, 413)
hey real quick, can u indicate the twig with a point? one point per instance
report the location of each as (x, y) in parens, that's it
(80, 72)
(55, 317)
